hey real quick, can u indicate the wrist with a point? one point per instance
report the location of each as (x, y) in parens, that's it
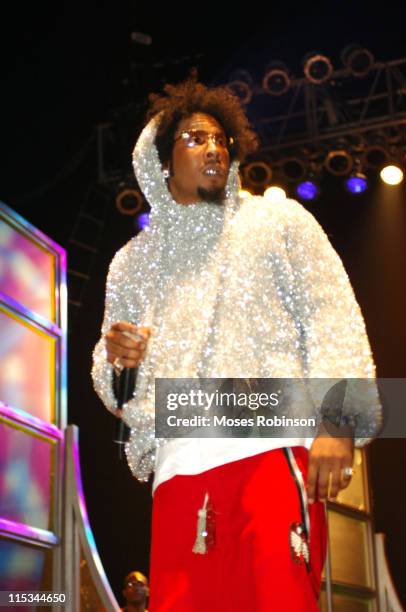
(341, 430)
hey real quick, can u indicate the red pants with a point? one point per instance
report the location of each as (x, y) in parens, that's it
(251, 567)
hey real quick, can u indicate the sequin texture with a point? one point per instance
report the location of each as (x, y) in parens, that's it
(246, 289)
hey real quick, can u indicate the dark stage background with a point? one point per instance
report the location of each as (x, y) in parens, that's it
(66, 68)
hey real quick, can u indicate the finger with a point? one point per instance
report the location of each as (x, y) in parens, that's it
(126, 362)
(132, 342)
(132, 355)
(134, 336)
(145, 332)
(115, 335)
(344, 483)
(136, 342)
(130, 363)
(323, 480)
(335, 479)
(119, 339)
(345, 480)
(124, 326)
(312, 476)
(139, 334)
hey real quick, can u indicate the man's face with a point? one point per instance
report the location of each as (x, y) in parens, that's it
(199, 172)
(135, 591)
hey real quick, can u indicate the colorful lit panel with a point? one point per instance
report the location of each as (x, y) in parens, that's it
(27, 271)
(27, 373)
(24, 568)
(349, 547)
(27, 474)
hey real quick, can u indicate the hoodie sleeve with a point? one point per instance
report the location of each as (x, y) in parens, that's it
(116, 309)
(334, 340)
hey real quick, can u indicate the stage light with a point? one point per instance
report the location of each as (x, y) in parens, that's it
(293, 169)
(240, 84)
(392, 134)
(357, 60)
(276, 80)
(257, 174)
(374, 157)
(275, 194)
(141, 38)
(143, 220)
(392, 175)
(317, 68)
(307, 190)
(128, 200)
(356, 183)
(339, 162)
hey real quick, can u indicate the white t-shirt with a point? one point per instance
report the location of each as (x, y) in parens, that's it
(195, 455)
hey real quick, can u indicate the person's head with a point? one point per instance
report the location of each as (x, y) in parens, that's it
(135, 588)
(201, 131)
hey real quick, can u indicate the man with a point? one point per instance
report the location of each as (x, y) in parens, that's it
(135, 592)
(221, 286)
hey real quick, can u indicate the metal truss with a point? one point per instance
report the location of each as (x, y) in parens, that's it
(337, 109)
(343, 110)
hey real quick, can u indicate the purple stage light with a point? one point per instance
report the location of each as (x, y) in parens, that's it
(307, 190)
(143, 221)
(357, 183)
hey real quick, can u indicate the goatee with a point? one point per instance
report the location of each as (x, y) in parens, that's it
(216, 195)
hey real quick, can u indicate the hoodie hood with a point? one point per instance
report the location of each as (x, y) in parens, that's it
(148, 171)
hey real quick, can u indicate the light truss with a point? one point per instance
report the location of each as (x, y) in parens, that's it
(343, 106)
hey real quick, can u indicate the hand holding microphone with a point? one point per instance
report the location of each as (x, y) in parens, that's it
(125, 344)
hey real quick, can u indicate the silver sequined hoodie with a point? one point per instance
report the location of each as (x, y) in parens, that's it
(249, 289)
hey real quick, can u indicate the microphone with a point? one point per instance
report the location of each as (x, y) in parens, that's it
(125, 384)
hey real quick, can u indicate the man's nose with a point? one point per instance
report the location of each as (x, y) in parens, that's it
(213, 149)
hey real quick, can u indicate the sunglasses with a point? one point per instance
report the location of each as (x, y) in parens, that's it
(199, 138)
